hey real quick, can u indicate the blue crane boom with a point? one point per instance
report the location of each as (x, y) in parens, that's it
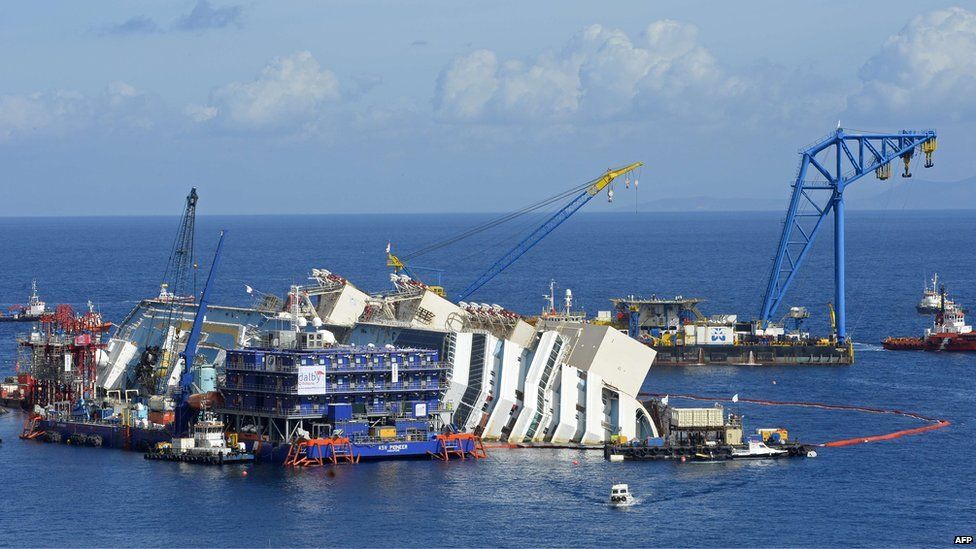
(193, 339)
(550, 224)
(851, 156)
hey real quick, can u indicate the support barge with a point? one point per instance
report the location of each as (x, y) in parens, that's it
(683, 336)
(704, 434)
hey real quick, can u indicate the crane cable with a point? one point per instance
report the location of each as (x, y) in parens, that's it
(517, 234)
(500, 220)
(886, 239)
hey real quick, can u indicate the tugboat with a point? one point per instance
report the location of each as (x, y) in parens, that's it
(207, 446)
(930, 303)
(949, 332)
(31, 312)
(620, 496)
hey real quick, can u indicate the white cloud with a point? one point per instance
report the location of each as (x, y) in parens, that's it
(120, 107)
(39, 113)
(466, 85)
(288, 90)
(600, 73)
(930, 65)
(200, 113)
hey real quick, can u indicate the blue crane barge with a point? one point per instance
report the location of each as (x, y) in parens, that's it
(682, 335)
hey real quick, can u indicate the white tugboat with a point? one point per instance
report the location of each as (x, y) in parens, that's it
(931, 302)
(34, 309)
(208, 445)
(620, 496)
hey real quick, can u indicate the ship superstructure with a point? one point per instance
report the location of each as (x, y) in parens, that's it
(550, 382)
(382, 401)
(489, 371)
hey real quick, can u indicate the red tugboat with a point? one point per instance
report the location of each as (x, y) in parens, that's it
(949, 332)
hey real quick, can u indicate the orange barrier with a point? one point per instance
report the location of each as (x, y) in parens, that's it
(935, 422)
(454, 444)
(31, 431)
(876, 438)
(341, 450)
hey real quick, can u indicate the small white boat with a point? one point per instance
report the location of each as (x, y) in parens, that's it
(620, 496)
(757, 449)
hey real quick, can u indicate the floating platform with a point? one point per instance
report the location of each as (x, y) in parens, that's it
(720, 452)
(237, 458)
(753, 355)
(95, 434)
(355, 450)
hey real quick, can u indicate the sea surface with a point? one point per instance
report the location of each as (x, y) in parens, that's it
(913, 491)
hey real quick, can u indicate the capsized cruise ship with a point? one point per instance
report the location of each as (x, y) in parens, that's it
(507, 379)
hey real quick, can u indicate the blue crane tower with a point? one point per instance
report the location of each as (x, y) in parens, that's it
(183, 413)
(845, 157)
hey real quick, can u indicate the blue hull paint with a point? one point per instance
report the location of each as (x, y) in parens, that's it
(276, 453)
(113, 436)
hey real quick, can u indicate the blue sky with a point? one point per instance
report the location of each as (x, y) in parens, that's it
(325, 107)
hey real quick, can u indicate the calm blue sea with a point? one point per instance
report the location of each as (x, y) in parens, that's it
(909, 492)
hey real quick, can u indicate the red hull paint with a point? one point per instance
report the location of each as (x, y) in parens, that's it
(948, 342)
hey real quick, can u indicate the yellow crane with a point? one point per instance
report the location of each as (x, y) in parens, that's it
(398, 267)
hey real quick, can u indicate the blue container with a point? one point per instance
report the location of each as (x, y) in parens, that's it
(353, 428)
(403, 425)
(340, 412)
(655, 441)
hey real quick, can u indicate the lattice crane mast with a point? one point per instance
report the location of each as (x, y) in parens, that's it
(175, 293)
(849, 157)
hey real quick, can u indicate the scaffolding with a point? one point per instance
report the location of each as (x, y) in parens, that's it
(60, 355)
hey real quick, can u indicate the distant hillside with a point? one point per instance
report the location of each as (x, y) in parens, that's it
(914, 194)
(870, 194)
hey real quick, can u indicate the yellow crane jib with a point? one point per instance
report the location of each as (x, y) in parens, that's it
(398, 265)
(608, 177)
(394, 261)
